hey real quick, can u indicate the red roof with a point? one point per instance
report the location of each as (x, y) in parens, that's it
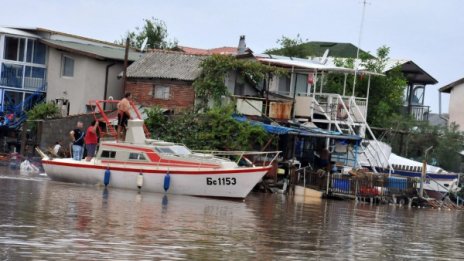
(220, 50)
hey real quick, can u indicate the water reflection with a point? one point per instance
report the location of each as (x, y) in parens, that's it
(47, 220)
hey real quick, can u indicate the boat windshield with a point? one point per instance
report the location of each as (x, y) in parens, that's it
(180, 150)
(174, 149)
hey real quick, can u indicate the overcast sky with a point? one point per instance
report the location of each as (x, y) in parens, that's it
(429, 32)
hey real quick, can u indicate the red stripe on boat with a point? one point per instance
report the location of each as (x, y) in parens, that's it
(184, 172)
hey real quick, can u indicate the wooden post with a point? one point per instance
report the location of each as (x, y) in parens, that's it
(23, 139)
(124, 72)
(424, 171)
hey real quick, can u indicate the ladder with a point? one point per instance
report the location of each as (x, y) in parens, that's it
(344, 115)
(110, 117)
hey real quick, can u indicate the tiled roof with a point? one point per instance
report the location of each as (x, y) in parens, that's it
(220, 50)
(167, 65)
(95, 51)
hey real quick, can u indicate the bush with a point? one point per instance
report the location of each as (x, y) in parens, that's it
(213, 130)
(42, 111)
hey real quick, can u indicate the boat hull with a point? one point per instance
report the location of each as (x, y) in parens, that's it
(232, 183)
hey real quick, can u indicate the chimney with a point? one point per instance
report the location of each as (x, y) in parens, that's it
(241, 45)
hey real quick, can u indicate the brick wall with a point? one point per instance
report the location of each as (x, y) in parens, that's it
(181, 93)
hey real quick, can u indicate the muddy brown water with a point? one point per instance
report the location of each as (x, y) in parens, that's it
(46, 220)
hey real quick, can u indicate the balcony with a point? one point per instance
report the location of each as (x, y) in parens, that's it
(254, 106)
(417, 112)
(22, 77)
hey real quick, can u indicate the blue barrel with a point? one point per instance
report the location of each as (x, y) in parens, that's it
(398, 183)
(342, 185)
(167, 182)
(106, 178)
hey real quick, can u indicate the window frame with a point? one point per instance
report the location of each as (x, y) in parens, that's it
(111, 154)
(167, 92)
(63, 64)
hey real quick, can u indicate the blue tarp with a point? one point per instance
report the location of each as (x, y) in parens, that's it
(281, 130)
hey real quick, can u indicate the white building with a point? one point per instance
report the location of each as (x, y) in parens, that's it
(455, 109)
(64, 68)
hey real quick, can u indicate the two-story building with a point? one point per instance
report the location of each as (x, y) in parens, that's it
(455, 109)
(65, 68)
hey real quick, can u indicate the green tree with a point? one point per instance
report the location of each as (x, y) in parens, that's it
(386, 92)
(211, 83)
(212, 130)
(156, 33)
(292, 47)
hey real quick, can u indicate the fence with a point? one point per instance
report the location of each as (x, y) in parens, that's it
(362, 185)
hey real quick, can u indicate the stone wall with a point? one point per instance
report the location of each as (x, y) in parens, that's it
(52, 130)
(181, 93)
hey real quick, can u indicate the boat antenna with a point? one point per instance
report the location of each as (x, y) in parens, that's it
(359, 44)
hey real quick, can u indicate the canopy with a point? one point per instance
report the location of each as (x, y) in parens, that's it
(313, 132)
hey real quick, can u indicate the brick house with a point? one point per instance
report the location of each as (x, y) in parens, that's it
(164, 78)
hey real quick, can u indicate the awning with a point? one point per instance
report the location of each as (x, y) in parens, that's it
(313, 132)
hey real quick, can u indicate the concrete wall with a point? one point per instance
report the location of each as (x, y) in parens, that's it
(456, 109)
(88, 82)
(52, 130)
(181, 96)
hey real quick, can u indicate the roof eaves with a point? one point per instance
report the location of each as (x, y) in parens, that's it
(426, 73)
(447, 88)
(77, 36)
(72, 50)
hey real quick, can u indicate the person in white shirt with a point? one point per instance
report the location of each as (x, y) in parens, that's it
(57, 148)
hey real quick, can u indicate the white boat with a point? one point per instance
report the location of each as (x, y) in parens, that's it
(164, 167)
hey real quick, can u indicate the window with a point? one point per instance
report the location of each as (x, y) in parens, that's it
(12, 75)
(35, 52)
(34, 77)
(67, 66)
(136, 156)
(180, 150)
(108, 154)
(164, 150)
(161, 92)
(14, 48)
(301, 84)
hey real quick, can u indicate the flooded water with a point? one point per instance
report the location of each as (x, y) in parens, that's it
(46, 220)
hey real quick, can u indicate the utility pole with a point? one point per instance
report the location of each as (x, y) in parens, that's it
(124, 72)
(359, 45)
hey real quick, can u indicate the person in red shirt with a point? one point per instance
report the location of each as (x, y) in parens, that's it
(91, 140)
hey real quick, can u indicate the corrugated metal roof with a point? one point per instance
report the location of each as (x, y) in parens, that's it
(95, 51)
(167, 65)
(309, 64)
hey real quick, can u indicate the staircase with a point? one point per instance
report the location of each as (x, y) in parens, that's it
(110, 117)
(343, 114)
(19, 111)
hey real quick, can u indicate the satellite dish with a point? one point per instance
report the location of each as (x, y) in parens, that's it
(144, 44)
(325, 56)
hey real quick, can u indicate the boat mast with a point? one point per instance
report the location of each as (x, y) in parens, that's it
(359, 45)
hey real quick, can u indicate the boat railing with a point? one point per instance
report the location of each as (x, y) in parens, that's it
(242, 158)
(449, 190)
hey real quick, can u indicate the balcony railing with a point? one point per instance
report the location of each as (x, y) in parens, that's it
(418, 112)
(23, 77)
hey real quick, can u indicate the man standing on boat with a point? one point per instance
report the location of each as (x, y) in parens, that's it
(77, 136)
(123, 116)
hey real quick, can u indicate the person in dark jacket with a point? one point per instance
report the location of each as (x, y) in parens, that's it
(77, 137)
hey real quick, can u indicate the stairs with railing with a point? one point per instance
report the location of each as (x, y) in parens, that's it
(344, 115)
(109, 117)
(17, 113)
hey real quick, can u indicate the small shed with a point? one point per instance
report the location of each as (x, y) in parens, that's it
(164, 78)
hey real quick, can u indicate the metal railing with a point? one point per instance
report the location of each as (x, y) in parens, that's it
(418, 112)
(251, 158)
(368, 185)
